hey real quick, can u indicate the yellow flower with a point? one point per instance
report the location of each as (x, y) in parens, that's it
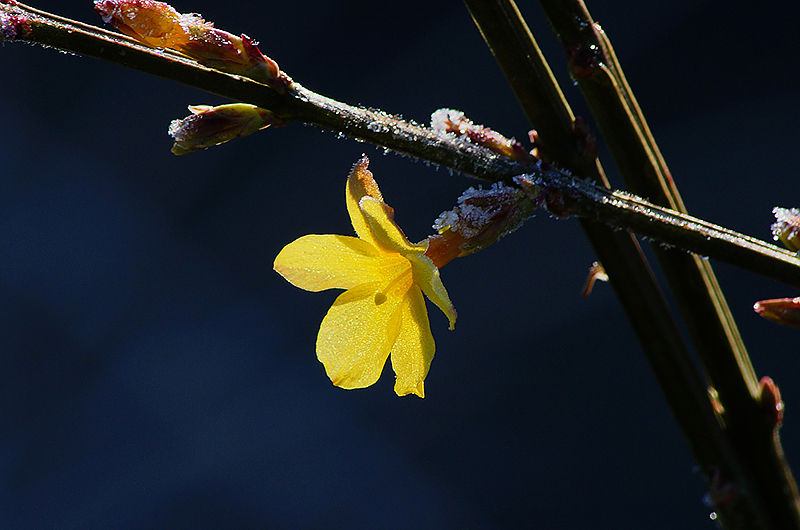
(382, 312)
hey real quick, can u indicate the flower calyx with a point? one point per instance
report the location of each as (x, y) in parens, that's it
(481, 217)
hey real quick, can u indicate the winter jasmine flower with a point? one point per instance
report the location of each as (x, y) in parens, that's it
(382, 313)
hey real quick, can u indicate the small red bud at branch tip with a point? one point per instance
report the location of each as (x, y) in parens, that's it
(455, 122)
(771, 402)
(785, 311)
(596, 273)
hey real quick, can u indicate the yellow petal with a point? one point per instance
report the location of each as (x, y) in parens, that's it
(386, 233)
(426, 275)
(358, 333)
(319, 262)
(361, 184)
(389, 236)
(413, 350)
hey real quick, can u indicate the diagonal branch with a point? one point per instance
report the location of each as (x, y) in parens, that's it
(22, 23)
(518, 55)
(699, 296)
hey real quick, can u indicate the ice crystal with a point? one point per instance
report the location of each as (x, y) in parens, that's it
(786, 227)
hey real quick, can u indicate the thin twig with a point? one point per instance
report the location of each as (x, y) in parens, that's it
(700, 298)
(22, 23)
(518, 55)
(672, 229)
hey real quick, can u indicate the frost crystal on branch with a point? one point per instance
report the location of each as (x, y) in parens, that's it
(787, 227)
(455, 122)
(484, 216)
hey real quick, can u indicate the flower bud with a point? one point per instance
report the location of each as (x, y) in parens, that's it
(784, 311)
(225, 51)
(480, 218)
(771, 403)
(787, 227)
(13, 23)
(159, 25)
(209, 126)
(152, 23)
(455, 122)
(596, 273)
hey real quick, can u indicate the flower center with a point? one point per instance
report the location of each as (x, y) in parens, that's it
(401, 282)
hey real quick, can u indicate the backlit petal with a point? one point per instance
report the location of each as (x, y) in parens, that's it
(389, 236)
(319, 262)
(380, 218)
(361, 184)
(413, 350)
(426, 275)
(358, 332)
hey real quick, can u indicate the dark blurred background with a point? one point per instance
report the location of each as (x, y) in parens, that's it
(156, 373)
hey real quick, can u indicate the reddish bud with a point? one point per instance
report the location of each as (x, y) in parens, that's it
(771, 402)
(596, 273)
(152, 23)
(159, 25)
(210, 126)
(454, 122)
(784, 311)
(224, 51)
(582, 60)
(481, 218)
(13, 25)
(585, 140)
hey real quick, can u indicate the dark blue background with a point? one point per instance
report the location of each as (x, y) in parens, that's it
(156, 373)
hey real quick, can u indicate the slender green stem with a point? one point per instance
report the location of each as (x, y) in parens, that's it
(518, 55)
(534, 85)
(629, 212)
(625, 129)
(711, 325)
